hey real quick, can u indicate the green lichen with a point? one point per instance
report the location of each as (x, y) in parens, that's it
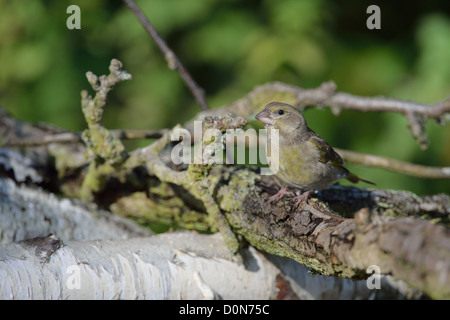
(107, 153)
(232, 195)
(170, 211)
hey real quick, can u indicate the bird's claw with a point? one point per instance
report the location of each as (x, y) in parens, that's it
(279, 195)
(302, 198)
(298, 199)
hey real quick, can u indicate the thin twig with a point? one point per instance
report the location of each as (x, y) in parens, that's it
(66, 137)
(169, 55)
(369, 160)
(351, 102)
(363, 159)
(71, 137)
(326, 94)
(395, 165)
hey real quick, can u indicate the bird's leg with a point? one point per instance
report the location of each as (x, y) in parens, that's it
(302, 198)
(279, 195)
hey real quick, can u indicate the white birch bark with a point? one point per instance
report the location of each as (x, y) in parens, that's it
(27, 212)
(178, 265)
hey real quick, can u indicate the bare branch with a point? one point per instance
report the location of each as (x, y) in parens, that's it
(70, 137)
(326, 95)
(370, 160)
(359, 158)
(395, 165)
(169, 55)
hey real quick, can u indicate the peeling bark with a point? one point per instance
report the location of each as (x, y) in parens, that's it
(169, 266)
(180, 265)
(27, 212)
(342, 233)
(414, 250)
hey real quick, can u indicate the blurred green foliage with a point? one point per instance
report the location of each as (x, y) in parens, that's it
(230, 47)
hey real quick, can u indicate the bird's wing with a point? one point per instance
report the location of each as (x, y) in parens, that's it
(327, 153)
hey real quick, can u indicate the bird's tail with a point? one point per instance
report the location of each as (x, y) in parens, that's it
(355, 179)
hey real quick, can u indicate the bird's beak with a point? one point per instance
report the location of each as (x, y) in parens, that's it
(265, 117)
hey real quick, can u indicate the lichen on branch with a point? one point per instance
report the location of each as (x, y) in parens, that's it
(105, 150)
(340, 232)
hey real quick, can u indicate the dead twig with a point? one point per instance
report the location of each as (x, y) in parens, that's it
(395, 165)
(71, 137)
(169, 55)
(364, 159)
(326, 95)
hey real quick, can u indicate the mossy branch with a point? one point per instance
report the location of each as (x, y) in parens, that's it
(196, 180)
(326, 234)
(411, 249)
(106, 150)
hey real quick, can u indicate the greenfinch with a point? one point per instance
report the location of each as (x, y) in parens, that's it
(305, 160)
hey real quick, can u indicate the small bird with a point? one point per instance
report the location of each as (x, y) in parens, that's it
(305, 160)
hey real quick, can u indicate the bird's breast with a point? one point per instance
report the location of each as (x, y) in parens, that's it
(299, 166)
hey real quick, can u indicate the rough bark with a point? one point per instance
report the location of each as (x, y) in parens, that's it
(412, 249)
(181, 265)
(389, 229)
(168, 266)
(27, 212)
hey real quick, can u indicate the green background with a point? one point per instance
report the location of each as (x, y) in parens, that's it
(230, 47)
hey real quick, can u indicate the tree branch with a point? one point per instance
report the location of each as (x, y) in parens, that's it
(359, 158)
(28, 213)
(169, 55)
(344, 244)
(106, 151)
(178, 265)
(411, 249)
(326, 95)
(70, 137)
(394, 165)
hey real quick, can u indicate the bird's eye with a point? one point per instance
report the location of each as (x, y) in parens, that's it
(281, 112)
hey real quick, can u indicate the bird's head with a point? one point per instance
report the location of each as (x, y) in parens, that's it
(283, 117)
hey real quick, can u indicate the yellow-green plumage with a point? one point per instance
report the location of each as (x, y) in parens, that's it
(305, 160)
